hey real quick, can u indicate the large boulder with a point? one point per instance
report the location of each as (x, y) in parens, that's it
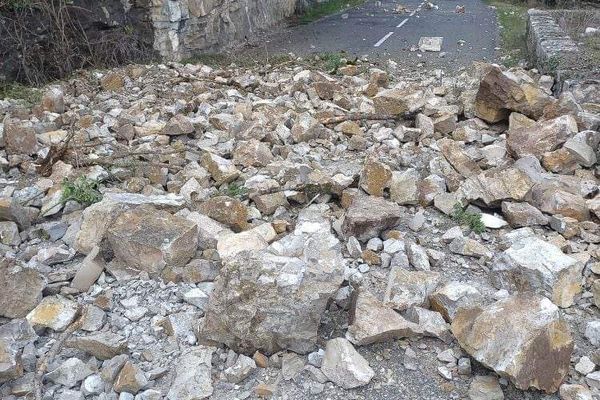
(147, 239)
(501, 92)
(531, 263)
(368, 216)
(522, 338)
(272, 299)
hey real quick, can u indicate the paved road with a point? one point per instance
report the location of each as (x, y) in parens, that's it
(377, 31)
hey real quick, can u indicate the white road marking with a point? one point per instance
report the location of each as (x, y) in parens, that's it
(383, 39)
(412, 13)
(402, 23)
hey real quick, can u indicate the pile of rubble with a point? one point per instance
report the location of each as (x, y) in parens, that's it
(182, 232)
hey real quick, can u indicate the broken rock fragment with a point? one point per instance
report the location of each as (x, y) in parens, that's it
(368, 216)
(534, 264)
(54, 312)
(344, 366)
(410, 288)
(147, 239)
(20, 290)
(372, 321)
(522, 338)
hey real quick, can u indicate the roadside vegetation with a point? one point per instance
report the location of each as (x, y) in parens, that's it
(512, 19)
(18, 91)
(325, 8)
(464, 217)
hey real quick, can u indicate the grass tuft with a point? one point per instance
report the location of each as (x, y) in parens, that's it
(82, 190)
(326, 8)
(236, 191)
(472, 220)
(512, 18)
(17, 91)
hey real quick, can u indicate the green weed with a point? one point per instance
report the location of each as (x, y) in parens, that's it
(512, 18)
(472, 220)
(82, 190)
(236, 191)
(326, 8)
(17, 91)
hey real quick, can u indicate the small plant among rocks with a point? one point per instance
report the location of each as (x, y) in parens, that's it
(472, 220)
(82, 190)
(236, 191)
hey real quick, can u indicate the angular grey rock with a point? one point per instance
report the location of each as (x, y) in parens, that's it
(522, 338)
(70, 372)
(534, 264)
(485, 388)
(432, 323)
(410, 288)
(371, 321)
(574, 392)
(404, 186)
(344, 366)
(192, 375)
(285, 290)
(469, 247)
(540, 138)
(89, 270)
(147, 239)
(592, 332)
(519, 215)
(368, 216)
(20, 290)
(11, 366)
(102, 345)
(452, 296)
(239, 371)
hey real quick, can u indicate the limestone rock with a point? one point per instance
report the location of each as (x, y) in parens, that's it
(344, 366)
(226, 210)
(11, 210)
(432, 323)
(540, 138)
(457, 158)
(53, 100)
(252, 154)
(221, 169)
(375, 177)
(304, 268)
(178, 125)
(534, 264)
(230, 245)
(368, 216)
(371, 321)
(410, 288)
(494, 186)
(397, 101)
(239, 371)
(147, 239)
(19, 137)
(469, 247)
(11, 366)
(574, 392)
(485, 388)
(521, 337)
(500, 92)
(454, 295)
(131, 379)
(54, 312)
(102, 345)
(70, 372)
(20, 290)
(404, 186)
(519, 215)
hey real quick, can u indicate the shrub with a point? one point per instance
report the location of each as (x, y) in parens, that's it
(82, 190)
(472, 220)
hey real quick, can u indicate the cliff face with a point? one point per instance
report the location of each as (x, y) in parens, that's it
(171, 29)
(183, 28)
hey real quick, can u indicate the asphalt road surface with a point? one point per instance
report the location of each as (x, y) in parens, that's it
(377, 30)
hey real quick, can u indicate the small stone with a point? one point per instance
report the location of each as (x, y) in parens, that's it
(221, 169)
(584, 366)
(574, 392)
(368, 216)
(20, 290)
(410, 288)
(404, 187)
(464, 366)
(102, 345)
(131, 379)
(485, 388)
(239, 371)
(375, 177)
(344, 366)
(260, 359)
(264, 391)
(427, 43)
(454, 295)
(592, 332)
